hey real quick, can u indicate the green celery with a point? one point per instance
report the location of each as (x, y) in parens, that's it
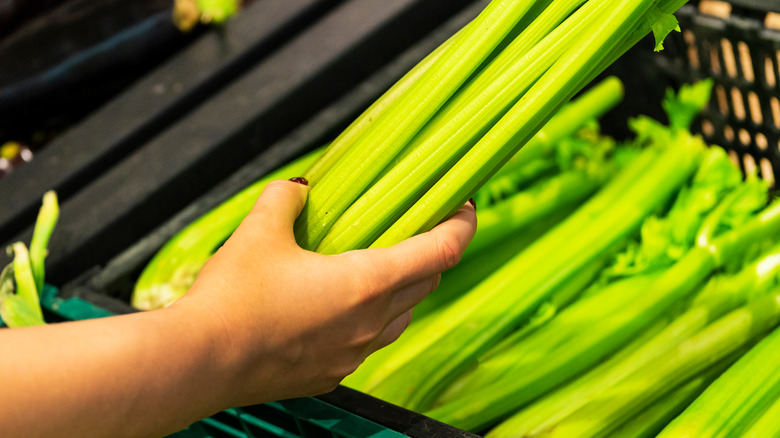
(563, 347)
(592, 104)
(568, 188)
(618, 404)
(44, 226)
(26, 273)
(737, 399)
(721, 295)
(651, 420)
(22, 308)
(767, 425)
(462, 278)
(338, 147)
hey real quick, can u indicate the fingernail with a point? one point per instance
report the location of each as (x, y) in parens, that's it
(473, 204)
(300, 180)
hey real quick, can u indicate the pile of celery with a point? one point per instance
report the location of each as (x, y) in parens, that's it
(432, 140)
(611, 322)
(607, 286)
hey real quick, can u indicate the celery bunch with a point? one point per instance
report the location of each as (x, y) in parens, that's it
(508, 225)
(22, 280)
(472, 109)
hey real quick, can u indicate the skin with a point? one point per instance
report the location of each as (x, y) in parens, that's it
(265, 320)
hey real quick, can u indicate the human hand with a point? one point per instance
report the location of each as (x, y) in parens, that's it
(290, 322)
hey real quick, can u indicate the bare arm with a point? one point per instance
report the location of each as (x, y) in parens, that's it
(265, 321)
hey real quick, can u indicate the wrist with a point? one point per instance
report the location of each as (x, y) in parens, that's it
(202, 333)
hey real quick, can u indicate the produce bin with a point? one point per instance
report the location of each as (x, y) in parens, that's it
(735, 43)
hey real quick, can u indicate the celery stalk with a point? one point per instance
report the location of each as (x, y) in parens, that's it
(767, 425)
(22, 308)
(563, 232)
(650, 421)
(568, 344)
(735, 400)
(26, 273)
(459, 280)
(555, 87)
(568, 188)
(15, 311)
(44, 226)
(592, 104)
(338, 147)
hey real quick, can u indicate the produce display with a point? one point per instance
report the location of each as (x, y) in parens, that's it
(626, 288)
(609, 283)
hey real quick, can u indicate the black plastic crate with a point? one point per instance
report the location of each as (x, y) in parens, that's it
(145, 108)
(738, 45)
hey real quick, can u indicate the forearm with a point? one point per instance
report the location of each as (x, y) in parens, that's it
(137, 375)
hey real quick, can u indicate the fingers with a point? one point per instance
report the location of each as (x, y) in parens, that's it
(277, 207)
(428, 254)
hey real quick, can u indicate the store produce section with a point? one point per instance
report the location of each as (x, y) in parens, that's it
(624, 278)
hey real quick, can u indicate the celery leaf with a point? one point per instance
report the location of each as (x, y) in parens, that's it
(663, 24)
(681, 108)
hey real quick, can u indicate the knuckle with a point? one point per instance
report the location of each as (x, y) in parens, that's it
(449, 253)
(364, 339)
(276, 184)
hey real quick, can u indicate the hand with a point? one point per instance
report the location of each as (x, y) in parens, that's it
(291, 322)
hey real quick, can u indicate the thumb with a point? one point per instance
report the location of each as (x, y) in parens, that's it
(277, 207)
(428, 254)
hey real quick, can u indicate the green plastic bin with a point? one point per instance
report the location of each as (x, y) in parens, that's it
(295, 418)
